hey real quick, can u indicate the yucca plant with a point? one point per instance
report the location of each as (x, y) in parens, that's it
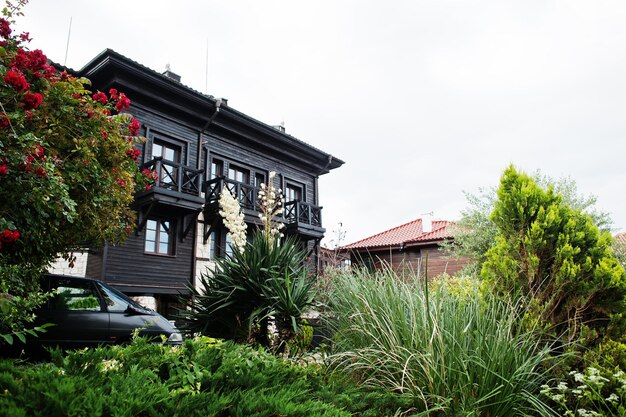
(458, 353)
(238, 297)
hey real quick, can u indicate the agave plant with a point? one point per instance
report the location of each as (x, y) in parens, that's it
(239, 297)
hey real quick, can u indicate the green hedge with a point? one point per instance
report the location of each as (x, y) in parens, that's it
(204, 377)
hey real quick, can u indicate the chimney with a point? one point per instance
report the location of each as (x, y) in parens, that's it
(280, 127)
(169, 74)
(427, 223)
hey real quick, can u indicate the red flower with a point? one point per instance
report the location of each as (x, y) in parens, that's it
(49, 71)
(113, 93)
(4, 120)
(89, 113)
(8, 236)
(25, 37)
(31, 101)
(122, 103)
(40, 172)
(104, 134)
(4, 170)
(128, 229)
(38, 151)
(121, 182)
(20, 59)
(133, 153)
(100, 97)
(5, 28)
(106, 112)
(36, 60)
(16, 80)
(133, 127)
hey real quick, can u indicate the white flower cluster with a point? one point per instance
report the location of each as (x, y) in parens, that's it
(233, 219)
(110, 365)
(271, 206)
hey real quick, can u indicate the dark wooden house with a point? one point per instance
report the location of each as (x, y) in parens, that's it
(406, 248)
(199, 146)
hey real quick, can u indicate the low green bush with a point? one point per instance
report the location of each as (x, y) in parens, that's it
(204, 377)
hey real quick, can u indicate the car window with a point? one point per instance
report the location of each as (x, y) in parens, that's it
(75, 296)
(117, 301)
(113, 300)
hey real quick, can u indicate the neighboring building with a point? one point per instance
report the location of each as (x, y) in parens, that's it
(620, 239)
(406, 247)
(199, 146)
(333, 258)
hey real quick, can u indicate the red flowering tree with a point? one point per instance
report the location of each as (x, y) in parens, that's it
(67, 162)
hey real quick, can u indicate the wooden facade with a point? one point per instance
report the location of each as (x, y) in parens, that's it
(413, 248)
(199, 146)
(410, 259)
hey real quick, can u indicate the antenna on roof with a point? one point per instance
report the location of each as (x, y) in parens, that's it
(67, 46)
(206, 71)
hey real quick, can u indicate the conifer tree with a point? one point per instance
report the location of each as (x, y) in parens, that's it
(554, 254)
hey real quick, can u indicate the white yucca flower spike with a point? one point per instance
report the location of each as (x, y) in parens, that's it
(233, 219)
(270, 202)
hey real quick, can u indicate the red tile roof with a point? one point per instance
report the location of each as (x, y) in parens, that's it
(405, 234)
(620, 238)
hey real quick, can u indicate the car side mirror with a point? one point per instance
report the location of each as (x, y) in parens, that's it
(131, 309)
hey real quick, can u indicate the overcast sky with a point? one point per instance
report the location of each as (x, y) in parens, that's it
(423, 99)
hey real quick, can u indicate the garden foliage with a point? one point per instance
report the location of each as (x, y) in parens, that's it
(263, 281)
(553, 254)
(204, 377)
(454, 349)
(67, 167)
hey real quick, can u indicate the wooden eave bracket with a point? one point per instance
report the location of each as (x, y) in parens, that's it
(192, 221)
(142, 218)
(208, 229)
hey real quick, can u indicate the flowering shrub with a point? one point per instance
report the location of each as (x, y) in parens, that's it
(593, 393)
(67, 164)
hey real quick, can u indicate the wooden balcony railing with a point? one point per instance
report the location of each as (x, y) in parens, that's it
(246, 194)
(295, 212)
(298, 212)
(176, 177)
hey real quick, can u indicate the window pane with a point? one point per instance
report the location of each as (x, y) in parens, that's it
(163, 248)
(170, 155)
(151, 235)
(76, 298)
(212, 245)
(151, 225)
(157, 150)
(150, 246)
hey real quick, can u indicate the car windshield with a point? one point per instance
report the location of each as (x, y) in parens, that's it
(116, 301)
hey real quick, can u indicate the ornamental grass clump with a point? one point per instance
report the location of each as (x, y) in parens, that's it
(456, 353)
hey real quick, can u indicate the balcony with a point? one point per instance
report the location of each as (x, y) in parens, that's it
(299, 217)
(178, 186)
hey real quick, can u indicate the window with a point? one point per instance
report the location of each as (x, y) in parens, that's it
(171, 156)
(217, 168)
(241, 192)
(238, 174)
(159, 237)
(213, 245)
(293, 193)
(229, 246)
(75, 296)
(259, 178)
